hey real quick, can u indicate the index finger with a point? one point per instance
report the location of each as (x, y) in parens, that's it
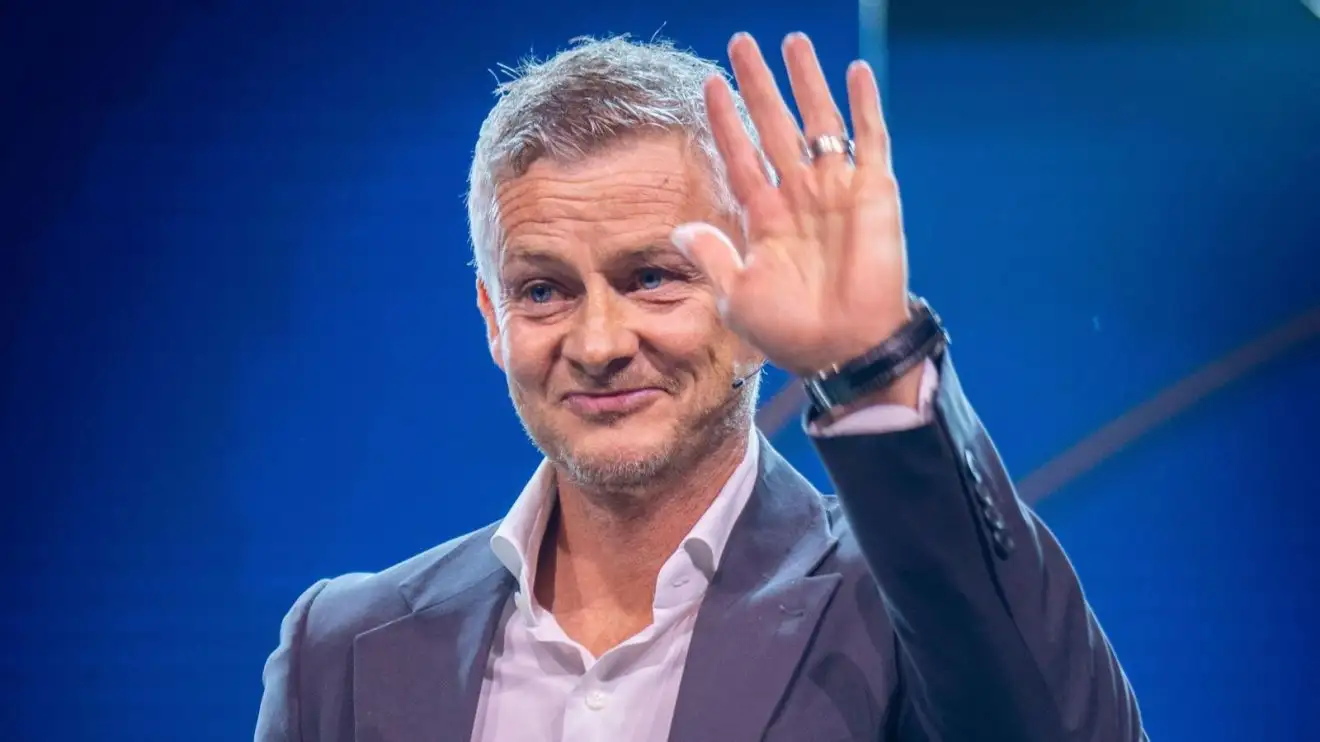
(742, 159)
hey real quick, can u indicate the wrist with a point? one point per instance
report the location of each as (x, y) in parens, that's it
(888, 374)
(903, 392)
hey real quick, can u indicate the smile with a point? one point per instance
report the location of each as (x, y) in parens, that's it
(611, 403)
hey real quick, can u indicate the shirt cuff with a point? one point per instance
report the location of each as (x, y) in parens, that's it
(887, 418)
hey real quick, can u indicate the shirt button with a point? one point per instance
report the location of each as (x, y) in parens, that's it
(595, 700)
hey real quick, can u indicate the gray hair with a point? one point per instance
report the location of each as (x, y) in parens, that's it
(573, 103)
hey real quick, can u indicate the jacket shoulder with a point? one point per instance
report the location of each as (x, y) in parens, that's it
(309, 674)
(338, 609)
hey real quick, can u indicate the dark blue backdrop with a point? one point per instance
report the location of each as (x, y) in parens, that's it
(241, 351)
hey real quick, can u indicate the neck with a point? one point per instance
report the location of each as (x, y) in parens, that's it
(603, 550)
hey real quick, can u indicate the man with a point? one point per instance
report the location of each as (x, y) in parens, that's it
(665, 575)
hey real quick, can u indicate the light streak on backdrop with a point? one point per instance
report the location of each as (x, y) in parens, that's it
(873, 22)
(787, 404)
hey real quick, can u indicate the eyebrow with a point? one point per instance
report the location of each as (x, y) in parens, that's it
(649, 254)
(531, 256)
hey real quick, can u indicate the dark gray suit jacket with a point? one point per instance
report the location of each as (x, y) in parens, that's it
(925, 603)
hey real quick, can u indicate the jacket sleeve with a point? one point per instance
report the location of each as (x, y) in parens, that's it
(995, 639)
(278, 719)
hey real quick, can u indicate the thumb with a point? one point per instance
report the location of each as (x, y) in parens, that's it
(712, 252)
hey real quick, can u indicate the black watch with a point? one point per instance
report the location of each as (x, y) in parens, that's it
(921, 337)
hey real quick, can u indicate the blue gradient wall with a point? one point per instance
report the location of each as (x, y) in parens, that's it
(241, 351)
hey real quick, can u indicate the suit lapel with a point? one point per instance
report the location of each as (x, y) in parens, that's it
(761, 610)
(418, 679)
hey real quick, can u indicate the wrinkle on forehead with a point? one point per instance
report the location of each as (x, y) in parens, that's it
(638, 189)
(537, 199)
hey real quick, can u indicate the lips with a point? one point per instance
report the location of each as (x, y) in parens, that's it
(622, 402)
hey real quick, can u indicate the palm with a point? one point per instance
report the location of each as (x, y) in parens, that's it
(822, 275)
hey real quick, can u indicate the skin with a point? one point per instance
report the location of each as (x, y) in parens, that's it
(595, 300)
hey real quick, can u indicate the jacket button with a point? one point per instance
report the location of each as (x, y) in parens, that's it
(993, 517)
(973, 467)
(1003, 544)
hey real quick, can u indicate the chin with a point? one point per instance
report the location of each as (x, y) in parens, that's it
(624, 456)
(630, 444)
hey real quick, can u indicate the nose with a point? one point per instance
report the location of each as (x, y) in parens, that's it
(600, 342)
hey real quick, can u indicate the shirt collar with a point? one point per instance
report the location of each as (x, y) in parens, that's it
(517, 540)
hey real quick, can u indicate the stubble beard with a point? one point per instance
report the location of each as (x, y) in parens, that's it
(693, 437)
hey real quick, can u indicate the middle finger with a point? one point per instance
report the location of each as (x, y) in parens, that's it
(779, 133)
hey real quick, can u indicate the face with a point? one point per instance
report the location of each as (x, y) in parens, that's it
(616, 358)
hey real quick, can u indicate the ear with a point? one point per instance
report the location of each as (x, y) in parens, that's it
(487, 308)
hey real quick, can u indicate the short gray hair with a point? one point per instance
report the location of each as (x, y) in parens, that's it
(572, 104)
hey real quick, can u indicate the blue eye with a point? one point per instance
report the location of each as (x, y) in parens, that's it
(650, 279)
(540, 293)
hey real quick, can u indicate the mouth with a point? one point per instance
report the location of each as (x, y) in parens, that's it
(613, 403)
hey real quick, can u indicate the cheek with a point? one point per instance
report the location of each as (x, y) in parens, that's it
(695, 334)
(527, 352)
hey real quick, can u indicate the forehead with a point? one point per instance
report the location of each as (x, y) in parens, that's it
(628, 193)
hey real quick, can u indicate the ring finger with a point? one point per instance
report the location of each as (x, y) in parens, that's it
(820, 114)
(780, 137)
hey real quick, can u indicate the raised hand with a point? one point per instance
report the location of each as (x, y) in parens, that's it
(821, 276)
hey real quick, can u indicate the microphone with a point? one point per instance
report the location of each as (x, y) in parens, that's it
(741, 380)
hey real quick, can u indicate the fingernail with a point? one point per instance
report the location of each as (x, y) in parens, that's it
(683, 236)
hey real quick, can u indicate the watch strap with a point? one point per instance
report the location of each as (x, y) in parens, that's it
(921, 337)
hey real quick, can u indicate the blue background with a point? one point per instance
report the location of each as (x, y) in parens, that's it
(241, 349)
